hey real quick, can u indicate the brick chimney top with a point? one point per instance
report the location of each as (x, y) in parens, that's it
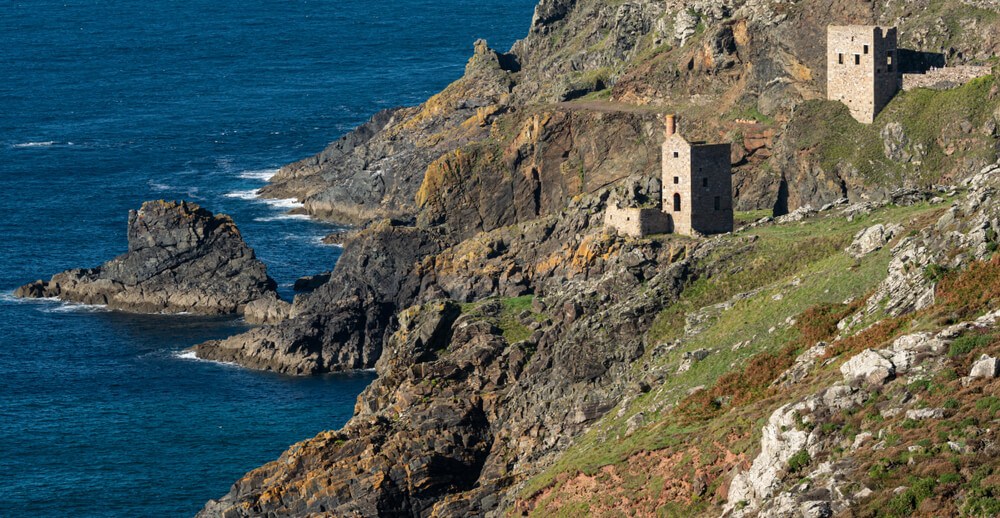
(671, 125)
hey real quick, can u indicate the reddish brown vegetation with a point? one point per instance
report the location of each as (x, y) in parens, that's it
(970, 291)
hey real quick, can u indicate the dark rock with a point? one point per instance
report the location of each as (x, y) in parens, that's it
(342, 324)
(311, 282)
(181, 258)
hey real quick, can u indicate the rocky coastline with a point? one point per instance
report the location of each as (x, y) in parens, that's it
(181, 259)
(529, 359)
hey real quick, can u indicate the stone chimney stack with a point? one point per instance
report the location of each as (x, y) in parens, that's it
(671, 125)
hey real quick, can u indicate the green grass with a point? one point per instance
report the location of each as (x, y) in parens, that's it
(508, 317)
(968, 343)
(751, 113)
(781, 253)
(745, 217)
(827, 129)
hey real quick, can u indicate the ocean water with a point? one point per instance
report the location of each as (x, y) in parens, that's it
(106, 104)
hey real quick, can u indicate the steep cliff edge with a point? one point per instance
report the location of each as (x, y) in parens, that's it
(181, 258)
(735, 70)
(532, 363)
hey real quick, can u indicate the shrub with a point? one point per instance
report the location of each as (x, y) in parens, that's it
(967, 343)
(906, 502)
(798, 461)
(989, 404)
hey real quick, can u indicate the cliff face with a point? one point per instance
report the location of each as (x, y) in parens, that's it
(715, 62)
(528, 359)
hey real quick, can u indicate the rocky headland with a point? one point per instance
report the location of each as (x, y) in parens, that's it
(181, 259)
(530, 362)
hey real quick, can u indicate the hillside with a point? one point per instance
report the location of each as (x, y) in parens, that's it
(824, 359)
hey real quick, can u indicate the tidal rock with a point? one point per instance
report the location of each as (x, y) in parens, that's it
(267, 311)
(181, 258)
(311, 282)
(870, 366)
(342, 324)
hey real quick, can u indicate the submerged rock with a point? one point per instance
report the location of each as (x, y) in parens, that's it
(181, 258)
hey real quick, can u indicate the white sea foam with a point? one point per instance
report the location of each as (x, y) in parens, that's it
(46, 143)
(249, 194)
(74, 307)
(10, 298)
(259, 174)
(319, 241)
(191, 356)
(283, 217)
(284, 203)
(159, 186)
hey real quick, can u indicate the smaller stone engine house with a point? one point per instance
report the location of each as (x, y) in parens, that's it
(862, 68)
(697, 193)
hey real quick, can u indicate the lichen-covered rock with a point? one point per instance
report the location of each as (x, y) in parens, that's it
(985, 367)
(871, 239)
(181, 258)
(780, 440)
(870, 366)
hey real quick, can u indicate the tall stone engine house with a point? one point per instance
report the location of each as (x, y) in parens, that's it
(697, 192)
(862, 68)
(697, 184)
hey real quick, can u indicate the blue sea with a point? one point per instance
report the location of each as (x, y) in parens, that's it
(105, 104)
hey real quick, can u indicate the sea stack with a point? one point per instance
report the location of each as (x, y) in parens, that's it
(181, 258)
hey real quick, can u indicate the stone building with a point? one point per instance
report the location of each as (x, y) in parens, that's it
(637, 222)
(862, 68)
(697, 184)
(697, 192)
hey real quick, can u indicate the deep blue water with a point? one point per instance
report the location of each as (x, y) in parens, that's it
(106, 104)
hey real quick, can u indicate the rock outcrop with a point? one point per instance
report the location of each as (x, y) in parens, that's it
(181, 258)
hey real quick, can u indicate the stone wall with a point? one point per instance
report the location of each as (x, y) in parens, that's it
(711, 189)
(862, 68)
(677, 182)
(945, 78)
(637, 222)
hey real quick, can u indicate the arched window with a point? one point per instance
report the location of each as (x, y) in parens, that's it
(677, 202)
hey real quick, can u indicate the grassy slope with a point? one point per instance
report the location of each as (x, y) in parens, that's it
(826, 128)
(783, 255)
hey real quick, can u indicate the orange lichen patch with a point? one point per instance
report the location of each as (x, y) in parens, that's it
(799, 71)
(581, 257)
(434, 107)
(741, 34)
(530, 131)
(447, 169)
(482, 117)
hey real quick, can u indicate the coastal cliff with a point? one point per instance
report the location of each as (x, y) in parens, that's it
(531, 362)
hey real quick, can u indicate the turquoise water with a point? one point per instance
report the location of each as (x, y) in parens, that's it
(106, 104)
